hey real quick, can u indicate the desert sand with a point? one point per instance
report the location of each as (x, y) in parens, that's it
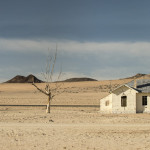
(68, 128)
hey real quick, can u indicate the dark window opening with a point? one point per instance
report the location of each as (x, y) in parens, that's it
(123, 101)
(107, 103)
(144, 100)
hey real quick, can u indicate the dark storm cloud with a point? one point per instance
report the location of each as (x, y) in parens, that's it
(82, 20)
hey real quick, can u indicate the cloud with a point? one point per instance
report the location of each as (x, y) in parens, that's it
(100, 60)
(134, 48)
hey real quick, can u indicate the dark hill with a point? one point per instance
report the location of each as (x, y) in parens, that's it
(21, 79)
(79, 79)
(139, 75)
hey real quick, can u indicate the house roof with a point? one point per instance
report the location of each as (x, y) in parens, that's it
(126, 86)
(142, 85)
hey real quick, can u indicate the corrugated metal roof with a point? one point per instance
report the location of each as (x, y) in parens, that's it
(142, 85)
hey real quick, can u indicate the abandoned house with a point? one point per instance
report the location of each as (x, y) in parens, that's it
(133, 97)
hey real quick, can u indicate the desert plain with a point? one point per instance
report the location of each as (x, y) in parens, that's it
(70, 128)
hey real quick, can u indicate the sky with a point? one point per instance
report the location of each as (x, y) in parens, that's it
(101, 39)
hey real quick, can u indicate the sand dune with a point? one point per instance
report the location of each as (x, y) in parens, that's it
(77, 93)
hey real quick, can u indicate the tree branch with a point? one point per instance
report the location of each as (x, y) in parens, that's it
(40, 90)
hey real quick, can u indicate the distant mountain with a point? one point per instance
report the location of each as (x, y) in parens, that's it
(79, 79)
(21, 79)
(31, 78)
(139, 75)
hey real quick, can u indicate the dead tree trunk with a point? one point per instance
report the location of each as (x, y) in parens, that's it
(48, 104)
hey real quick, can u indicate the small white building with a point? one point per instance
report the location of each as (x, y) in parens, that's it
(133, 97)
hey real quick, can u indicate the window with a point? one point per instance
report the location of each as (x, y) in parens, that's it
(123, 101)
(107, 103)
(144, 100)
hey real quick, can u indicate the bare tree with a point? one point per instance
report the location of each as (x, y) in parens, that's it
(50, 90)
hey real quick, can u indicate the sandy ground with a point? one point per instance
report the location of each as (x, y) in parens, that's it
(31, 128)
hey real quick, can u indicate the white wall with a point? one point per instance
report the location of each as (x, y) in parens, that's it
(103, 107)
(140, 107)
(131, 100)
